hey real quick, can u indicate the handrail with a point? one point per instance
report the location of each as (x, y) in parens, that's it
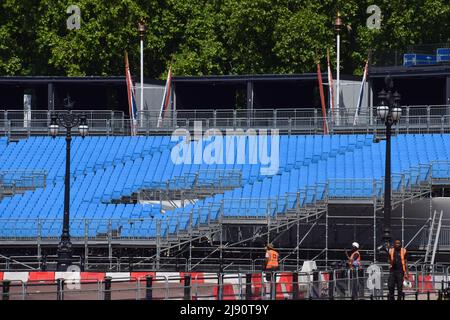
(309, 121)
(18, 262)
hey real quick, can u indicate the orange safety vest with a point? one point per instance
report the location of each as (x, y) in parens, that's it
(402, 256)
(272, 261)
(352, 259)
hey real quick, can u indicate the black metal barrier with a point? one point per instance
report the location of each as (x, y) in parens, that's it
(331, 286)
(315, 289)
(273, 284)
(220, 288)
(295, 291)
(59, 289)
(187, 287)
(107, 289)
(248, 286)
(148, 288)
(341, 283)
(6, 287)
(337, 284)
(446, 291)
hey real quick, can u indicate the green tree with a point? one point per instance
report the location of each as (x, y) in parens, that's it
(17, 34)
(199, 49)
(303, 37)
(98, 47)
(248, 35)
(209, 36)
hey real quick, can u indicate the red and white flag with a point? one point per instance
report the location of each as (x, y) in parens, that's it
(131, 96)
(166, 98)
(322, 99)
(330, 86)
(361, 93)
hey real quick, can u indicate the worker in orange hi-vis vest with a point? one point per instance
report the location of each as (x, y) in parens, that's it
(271, 264)
(354, 258)
(397, 256)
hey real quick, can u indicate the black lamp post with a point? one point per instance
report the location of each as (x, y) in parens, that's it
(67, 120)
(390, 112)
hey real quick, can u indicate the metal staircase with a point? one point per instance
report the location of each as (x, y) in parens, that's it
(433, 237)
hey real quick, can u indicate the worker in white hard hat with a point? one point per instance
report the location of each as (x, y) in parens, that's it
(354, 258)
(354, 264)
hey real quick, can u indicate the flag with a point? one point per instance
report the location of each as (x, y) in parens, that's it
(322, 99)
(166, 98)
(330, 86)
(361, 93)
(131, 96)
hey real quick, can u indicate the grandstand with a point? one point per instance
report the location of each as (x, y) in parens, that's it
(129, 195)
(316, 135)
(272, 172)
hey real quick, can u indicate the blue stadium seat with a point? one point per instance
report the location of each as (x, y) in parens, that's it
(105, 169)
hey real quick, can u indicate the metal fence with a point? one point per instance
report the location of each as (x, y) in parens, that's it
(365, 125)
(427, 283)
(416, 119)
(394, 57)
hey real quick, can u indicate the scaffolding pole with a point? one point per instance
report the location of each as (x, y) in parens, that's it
(86, 242)
(39, 239)
(431, 200)
(298, 240)
(190, 236)
(109, 243)
(158, 242)
(221, 237)
(374, 223)
(403, 223)
(326, 238)
(268, 228)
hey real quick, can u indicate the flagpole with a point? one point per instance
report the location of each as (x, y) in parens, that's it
(361, 93)
(165, 96)
(141, 28)
(322, 99)
(129, 92)
(162, 103)
(331, 87)
(338, 25)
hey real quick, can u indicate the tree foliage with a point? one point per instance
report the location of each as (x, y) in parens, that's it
(199, 37)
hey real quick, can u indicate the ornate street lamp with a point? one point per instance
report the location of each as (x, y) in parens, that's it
(389, 112)
(67, 120)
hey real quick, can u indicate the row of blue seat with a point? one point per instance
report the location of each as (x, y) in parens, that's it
(306, 164)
